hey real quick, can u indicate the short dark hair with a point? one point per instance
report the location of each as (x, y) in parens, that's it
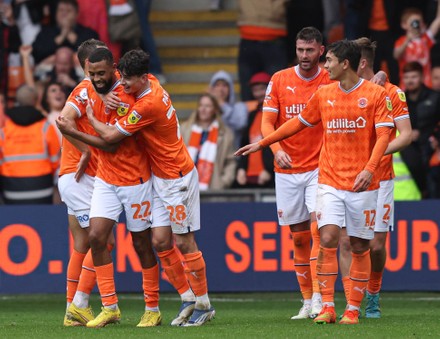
(346, 50)
(310, 34)
(134, 63)
(101, 54)
(368, 49)
(86, 48)
(74, 3)
(413, 66)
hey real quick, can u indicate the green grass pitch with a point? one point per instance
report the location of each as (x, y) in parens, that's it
(250, 315)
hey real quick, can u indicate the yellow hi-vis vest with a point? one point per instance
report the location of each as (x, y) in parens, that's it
(405, 188)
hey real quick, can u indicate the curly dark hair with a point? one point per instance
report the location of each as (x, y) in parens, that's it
(134, 63)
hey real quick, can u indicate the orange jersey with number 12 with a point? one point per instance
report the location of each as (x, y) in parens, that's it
(349, 119)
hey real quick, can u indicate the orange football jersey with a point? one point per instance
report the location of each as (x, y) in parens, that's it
(349, 119)
(287, 95)
(154, 116)
(70, 155)
(129, 165)
(399, 112)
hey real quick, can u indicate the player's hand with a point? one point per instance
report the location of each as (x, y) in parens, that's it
(241, 177)
(89, 111)
(111, 100)
(248, 149)
(283, 159)
(363, 181)
(25, 51)
(82, 165)
(264, 177)
(64, 125)
(380, 78)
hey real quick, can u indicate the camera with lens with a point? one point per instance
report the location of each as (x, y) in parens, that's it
(415, 24)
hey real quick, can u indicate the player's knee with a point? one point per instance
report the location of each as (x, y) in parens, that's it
(186, 244)
(329, 241)
(97, 241)
(161, 244)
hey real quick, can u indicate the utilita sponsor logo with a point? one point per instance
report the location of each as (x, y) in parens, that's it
(345, 125)
(295, 109)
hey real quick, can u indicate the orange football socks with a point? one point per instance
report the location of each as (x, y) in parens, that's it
(359, 274)
(301, 252)
(73, 273)
(327, 272)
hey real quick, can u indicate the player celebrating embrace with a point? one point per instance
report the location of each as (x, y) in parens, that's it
(175, 179)
(355, 117)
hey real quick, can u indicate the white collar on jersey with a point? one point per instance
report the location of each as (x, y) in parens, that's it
(296, 68)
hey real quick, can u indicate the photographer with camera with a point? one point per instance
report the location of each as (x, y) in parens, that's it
(416, 44)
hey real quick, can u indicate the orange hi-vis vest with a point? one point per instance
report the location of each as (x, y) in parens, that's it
(29, 158)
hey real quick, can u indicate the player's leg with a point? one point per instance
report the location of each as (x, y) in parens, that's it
(76, 196)
(345, 261)
(360, 219)
(137, 201)
(105, 210)
(150, 278)
(330, 212)
(182, 199)
(310, 195)
(170, 259)
(384, 223)
(293, 212)
(378, 259)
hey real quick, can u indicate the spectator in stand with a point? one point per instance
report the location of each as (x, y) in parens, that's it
(52, 102)
(379, 20)
(63, 70)
(263, 46)
(434, 164)
(416, 44)
(256, 169)
(66, 32)
(424, 105)
(93, 14)
(148, 44)
(435, 78)
(210, 144)
(234, 114)
(29, 153)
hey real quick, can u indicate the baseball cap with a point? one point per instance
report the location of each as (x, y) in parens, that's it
(259, 78)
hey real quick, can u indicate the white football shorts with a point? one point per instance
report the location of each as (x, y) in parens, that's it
(339, 207)
(108, 201)
(295, 196)
(77, 196)
(385, 207)
(181, 198)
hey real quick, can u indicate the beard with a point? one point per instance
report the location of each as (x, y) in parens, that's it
(104, 89)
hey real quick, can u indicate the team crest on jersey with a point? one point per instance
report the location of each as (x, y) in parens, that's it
(389, 104)
(362, 102)
(401, 95)
(134, 117)
(122, 109)
(269, 88)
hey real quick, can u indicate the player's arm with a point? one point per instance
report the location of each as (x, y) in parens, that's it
(267, 127)
(363, 179)
(68, 128)
(404, 137)
(288, 129)
(108, 133)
